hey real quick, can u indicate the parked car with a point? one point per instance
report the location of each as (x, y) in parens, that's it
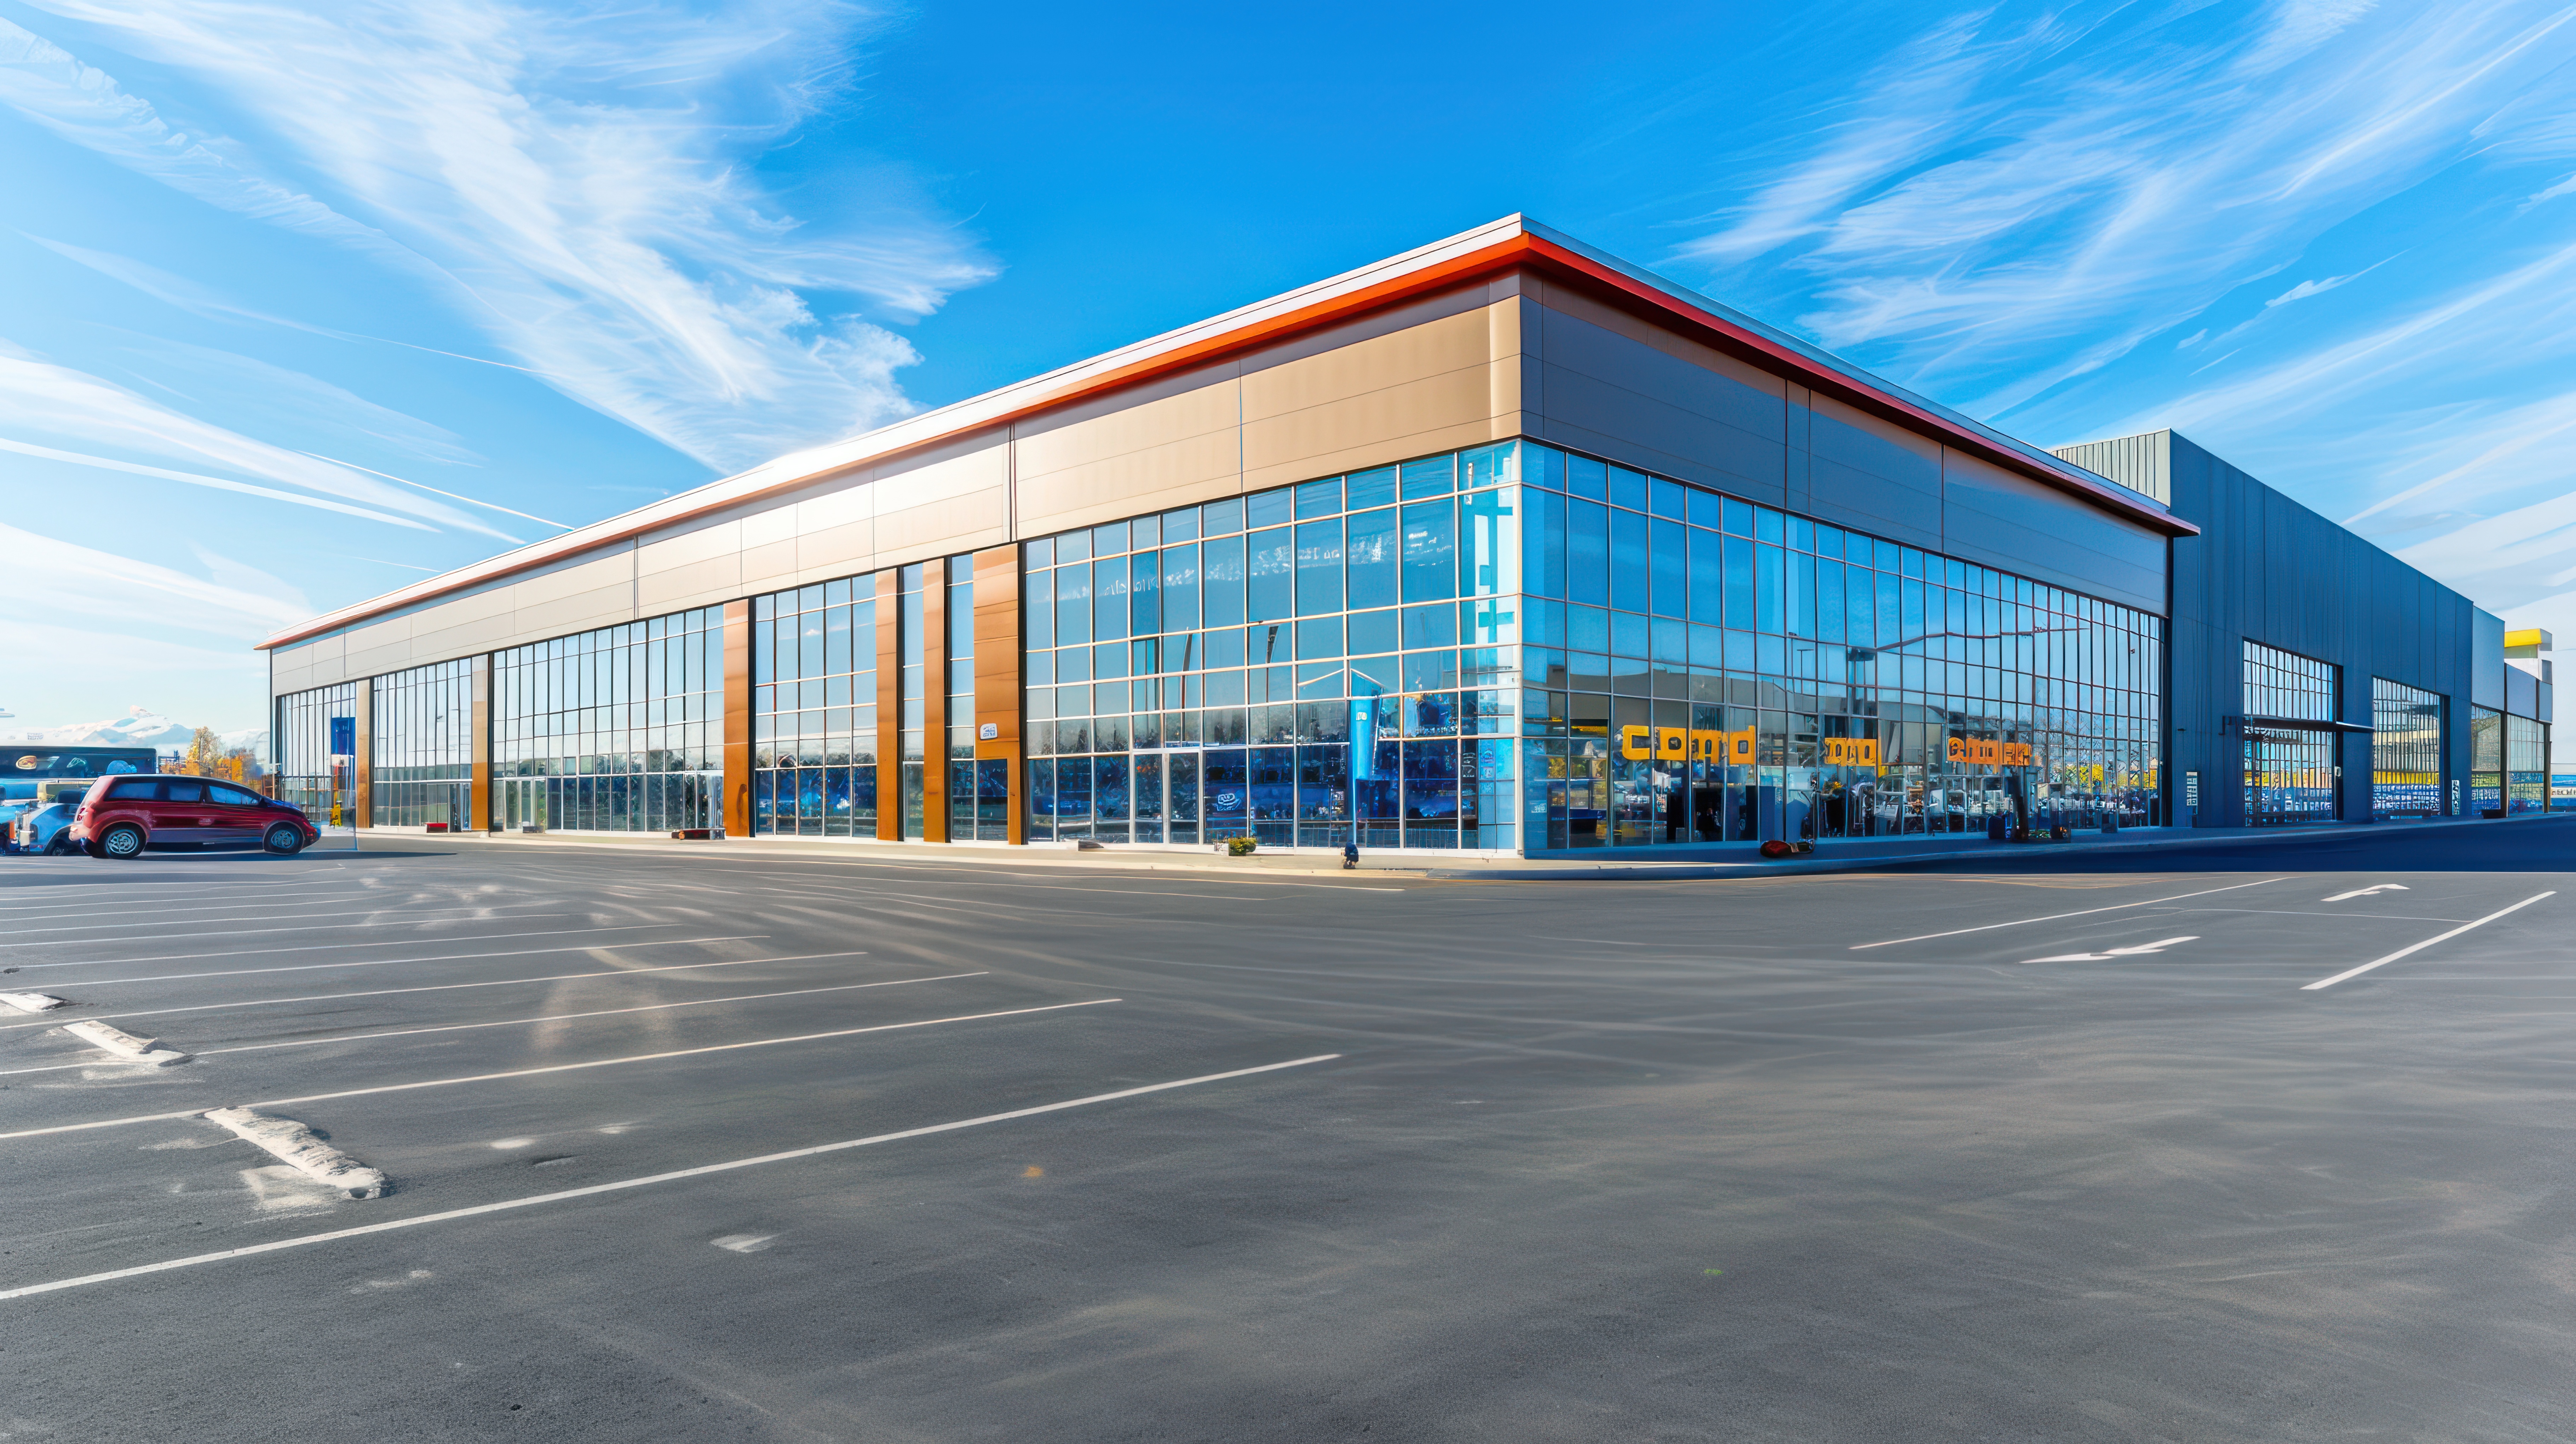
(120, 817)
(48, 829)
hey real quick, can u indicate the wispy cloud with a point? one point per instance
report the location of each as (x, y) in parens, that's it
(580, 174)
(84, 419)
(2008, 183)
(235, 599)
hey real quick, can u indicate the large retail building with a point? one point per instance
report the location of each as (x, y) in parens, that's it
(1500, 545)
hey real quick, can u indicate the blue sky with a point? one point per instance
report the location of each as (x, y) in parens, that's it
(304, 302)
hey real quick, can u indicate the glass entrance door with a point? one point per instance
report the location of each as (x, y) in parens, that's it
(1181, 795)
(2289, 777)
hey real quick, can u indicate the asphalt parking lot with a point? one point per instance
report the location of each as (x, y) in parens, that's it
(716, 1144)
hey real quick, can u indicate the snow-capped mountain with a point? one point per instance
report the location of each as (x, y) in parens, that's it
(139, 727)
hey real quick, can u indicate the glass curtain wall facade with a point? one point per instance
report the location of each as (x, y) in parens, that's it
(1517, 646)
(814, 710)
(1706, 669)
(313, 770)
(2526, 764)
(615, 730)
(2405, 750)
(2289, 771)
(1315, 665)
(422, 723)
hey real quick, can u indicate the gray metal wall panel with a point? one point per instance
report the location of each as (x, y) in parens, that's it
(2266, 568)
(2486, 655)
(1872, 475)
(2007, 521)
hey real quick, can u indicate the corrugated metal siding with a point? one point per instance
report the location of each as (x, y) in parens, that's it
(2139, 463)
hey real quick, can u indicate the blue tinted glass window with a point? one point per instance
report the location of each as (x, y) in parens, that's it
(1627, 488)
(1628, 573)
(1110, 540)
(1373, 632)
(1374, 559)
(1180, 588)
(1109, 598)
(1430, 551)
(1543, 466)
(1829, 600)
(1319, 567)
(1181, 526)
(1222, 600)
(1371, 488)
(1430, 476)
(1270, 577)
(1671, 565)
(1587, 477)
(1319, 498)
(1319, 638)
(1587, 553)
(1073, 546)
(1144, 595)
(1269, 508)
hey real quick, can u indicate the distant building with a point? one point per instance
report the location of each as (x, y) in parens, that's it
(1500, 545)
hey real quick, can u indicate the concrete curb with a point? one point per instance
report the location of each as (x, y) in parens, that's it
(2015, 852)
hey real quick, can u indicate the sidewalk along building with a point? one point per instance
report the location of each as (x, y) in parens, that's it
(1502, 545)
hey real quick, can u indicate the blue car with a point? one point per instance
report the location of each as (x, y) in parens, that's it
(46, 829)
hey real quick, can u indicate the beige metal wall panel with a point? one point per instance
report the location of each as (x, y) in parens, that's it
(695, 584)
(1460, 342)
(1091, 463)
(2015, 524)
(952, 524)
(769, 566)
(836, 505)
(592, 574)
(1199, 467)
(837, 551)
(685, 548)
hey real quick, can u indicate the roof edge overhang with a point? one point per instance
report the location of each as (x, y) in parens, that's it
(1513, 243)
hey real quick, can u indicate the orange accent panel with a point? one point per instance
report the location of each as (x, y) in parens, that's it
(934, 700)
(889, 711)
(362, 768)
(998, 672)
(478, 797)
(737, 718)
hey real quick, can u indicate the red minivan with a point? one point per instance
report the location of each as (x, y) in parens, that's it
(123, 815)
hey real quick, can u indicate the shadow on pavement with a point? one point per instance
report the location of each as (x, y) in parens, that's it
(2537, 845)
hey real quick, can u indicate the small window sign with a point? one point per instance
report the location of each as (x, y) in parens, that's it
(989, 732)
(2191, 793)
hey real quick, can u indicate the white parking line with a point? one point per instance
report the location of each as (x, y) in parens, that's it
(487, 916)
(515, 1022)
(2053, 917)
(369, 963)
(2428, 942)
(559, 1068)
(674, 1176)
(451, 987)
(232, 900)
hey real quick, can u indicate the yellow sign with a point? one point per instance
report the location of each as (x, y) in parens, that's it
(1851, 752)
(1685, 744)
(1989, 753)
(1699, 744)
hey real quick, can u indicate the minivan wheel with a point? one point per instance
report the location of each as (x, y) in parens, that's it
(122, 841)
(284, 840)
